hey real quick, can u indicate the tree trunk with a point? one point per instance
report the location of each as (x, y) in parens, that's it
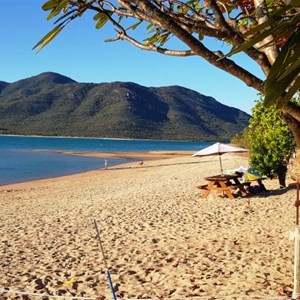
(294, 126)
(294, 170)
(281, 177)
(262, 16)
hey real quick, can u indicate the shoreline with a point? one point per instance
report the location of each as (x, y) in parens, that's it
(101, 138)
(138, 156)
(143, 155)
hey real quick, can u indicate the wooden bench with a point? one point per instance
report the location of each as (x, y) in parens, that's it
(219, 189)
(202, 187)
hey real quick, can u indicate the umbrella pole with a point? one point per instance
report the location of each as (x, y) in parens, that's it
(221, 164)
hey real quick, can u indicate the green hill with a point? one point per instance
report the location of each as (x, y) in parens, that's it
(52, 104)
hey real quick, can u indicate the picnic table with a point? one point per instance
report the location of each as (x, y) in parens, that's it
(223, 184)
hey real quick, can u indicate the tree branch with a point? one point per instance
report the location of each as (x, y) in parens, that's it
(294, 126)
(293, 110)
(160, 19)
(262, 16)
(149, 47)
(119, 12)
(190, 24)
(219, 16)
(237, 40)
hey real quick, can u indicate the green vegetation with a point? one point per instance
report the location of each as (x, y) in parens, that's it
(241, 139)
(278, 32)
(52, 104)
(270, 142)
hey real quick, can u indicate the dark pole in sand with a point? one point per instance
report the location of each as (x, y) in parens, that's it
(296, 236)
(297, 203)
(221, 164)
(105, 262)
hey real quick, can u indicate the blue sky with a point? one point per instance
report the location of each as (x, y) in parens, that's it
(80, 53)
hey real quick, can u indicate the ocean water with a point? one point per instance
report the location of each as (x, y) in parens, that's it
(20, 161)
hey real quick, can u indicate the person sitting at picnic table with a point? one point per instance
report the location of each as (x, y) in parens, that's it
(259, 188)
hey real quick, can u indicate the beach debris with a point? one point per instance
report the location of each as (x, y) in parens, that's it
(68, 282)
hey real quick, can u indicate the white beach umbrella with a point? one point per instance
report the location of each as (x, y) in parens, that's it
(219, 149)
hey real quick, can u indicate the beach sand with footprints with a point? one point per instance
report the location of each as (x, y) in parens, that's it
(161, 240)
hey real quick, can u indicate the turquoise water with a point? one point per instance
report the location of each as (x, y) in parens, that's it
(19, 160)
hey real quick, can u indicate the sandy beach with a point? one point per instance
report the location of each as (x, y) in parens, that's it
(160, 238)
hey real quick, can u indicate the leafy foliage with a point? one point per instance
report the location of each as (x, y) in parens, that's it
(283, 25)
(241, 139)
(271, 141)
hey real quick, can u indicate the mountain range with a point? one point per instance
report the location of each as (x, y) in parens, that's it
(55, 105)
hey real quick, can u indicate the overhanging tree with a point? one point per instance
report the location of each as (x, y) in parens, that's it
(261, 29)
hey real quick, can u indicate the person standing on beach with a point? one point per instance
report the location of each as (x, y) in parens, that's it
(105, 164)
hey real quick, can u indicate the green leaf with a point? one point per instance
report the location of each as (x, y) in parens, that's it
(283, 72)
(97, 16)
(61, 5)
(152, 39)
(134, 26)
(48, 37)
(276, 89)
(149, 26)
(269, 22)
(53, 14)
(256, 39)
(291, 92)
(50, 5)
(293, 67)
(164, 38)
(101, 23)
(260, 32)
(160, 39)
(102, 20)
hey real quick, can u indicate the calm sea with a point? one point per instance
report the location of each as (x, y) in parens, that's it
(19, 160)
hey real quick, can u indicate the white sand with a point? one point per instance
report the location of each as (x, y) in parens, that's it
(160, 238)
